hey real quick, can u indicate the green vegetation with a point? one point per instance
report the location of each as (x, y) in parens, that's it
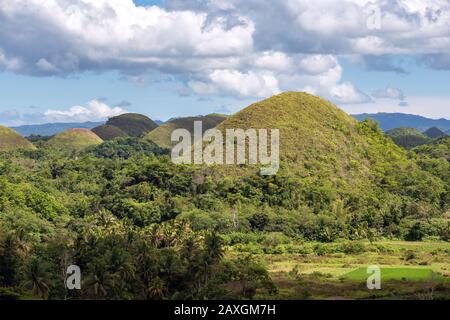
(408, 137)
(126, 148)
(108, 132)
(409, 270)
(387, 274)
(435, 133)
(132, 124)
(162, 135)
(141, 227)
(74, 139)
(10, 140)
(437, 149)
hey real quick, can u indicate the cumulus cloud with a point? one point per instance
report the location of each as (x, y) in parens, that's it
(389, 93)
(339, 26)
(234, 82)
(243, 48)
(94, 110)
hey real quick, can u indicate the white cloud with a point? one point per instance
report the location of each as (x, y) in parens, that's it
(389, 93)
(273, 60)
(244, 48)
(70, 36)
(93, 111)
(234, 82)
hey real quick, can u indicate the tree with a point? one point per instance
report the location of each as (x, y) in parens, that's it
(37, 277)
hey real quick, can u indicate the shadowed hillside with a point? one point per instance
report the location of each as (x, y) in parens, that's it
(11, 140)
(408, 137)
(133, 124)
(109, 132)
(435, 133)
(74, 139)
(161, 135)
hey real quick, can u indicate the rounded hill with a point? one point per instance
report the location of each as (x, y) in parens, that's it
(75, 139)
(133, 124)
(11, 140)
(408, 137)
(108, 132)
(435, 133)
(162, 135)
(315, 135)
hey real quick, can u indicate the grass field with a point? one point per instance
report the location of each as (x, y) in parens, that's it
(408, 274)
(409, 270)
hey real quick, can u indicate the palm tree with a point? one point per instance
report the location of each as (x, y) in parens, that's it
(37, 278)
(156, 289)
(99, 280)
(214, 248)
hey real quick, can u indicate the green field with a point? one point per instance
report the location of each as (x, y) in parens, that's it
(409, 270)
(407, 274)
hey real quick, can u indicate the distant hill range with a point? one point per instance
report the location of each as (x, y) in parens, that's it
(50, 129)
(388, 121)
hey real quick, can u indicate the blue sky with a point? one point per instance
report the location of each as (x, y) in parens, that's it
(100, 58)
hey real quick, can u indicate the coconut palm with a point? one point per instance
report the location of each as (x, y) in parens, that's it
(156, 289)
(37, 278)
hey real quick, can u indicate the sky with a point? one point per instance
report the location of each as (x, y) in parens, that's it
(87, 60)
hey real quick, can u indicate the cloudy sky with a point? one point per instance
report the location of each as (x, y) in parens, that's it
(79, 60)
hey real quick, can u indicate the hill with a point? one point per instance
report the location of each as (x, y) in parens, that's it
(108, 132)
(328, 152)
(408, 137)
(50, 129)
(133, 124)
(388, 121)
(439, 148)
(10, 140)
(162, 135)
(435, 133)
(75, 139)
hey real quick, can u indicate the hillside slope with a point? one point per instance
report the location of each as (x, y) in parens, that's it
(408, 137)
(108, 132)
(133, 124)
(74, 139)
(435, 133)
(162, 135)
(10, 140)
(322, 147)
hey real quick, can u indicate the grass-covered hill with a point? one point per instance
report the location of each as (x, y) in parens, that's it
(133, 124)
(435, 133)
(108, 132)
(74, 139)
(11, 140)
(316, 137)
(322, 147)
(162, 135)
(142, 227)
(408, 137)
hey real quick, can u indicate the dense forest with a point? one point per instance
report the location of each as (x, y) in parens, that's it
(141, 227)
